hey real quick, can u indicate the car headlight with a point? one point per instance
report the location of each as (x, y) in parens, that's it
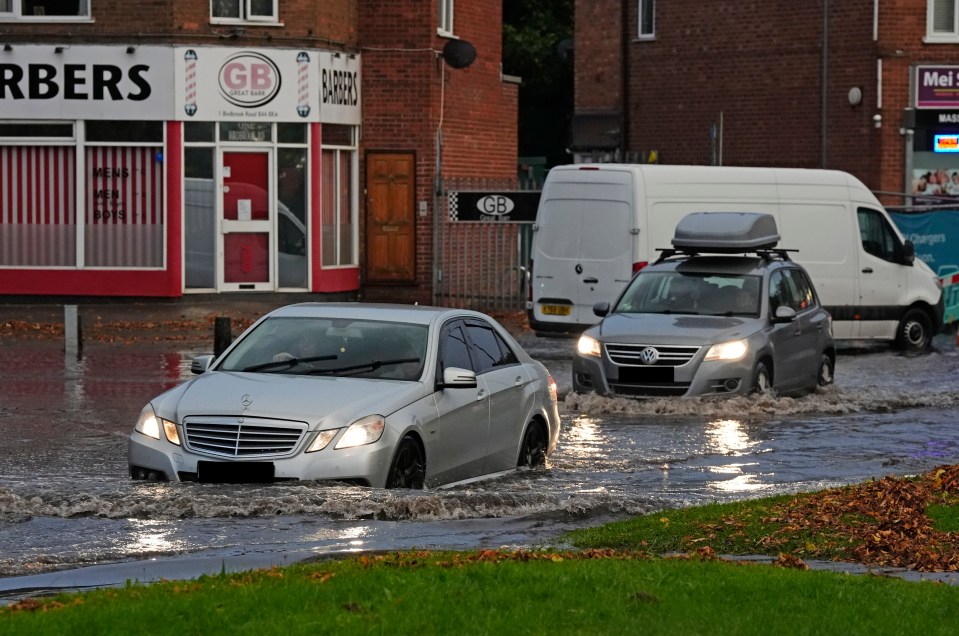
(588, 346)
(734, 350)
(365, 430)
(149, 424)
(322, 439)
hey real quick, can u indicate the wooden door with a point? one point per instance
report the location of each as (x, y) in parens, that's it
(390, 224)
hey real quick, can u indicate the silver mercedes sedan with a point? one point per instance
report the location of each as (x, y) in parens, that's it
(390, 396)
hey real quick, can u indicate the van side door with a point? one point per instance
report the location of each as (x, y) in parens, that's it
(882, 275)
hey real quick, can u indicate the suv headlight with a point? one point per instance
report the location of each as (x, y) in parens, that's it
(149, 424)
(734, 350)
(365, 430)
(588, 346)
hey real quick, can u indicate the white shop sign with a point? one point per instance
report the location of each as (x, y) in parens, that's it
(86, 82)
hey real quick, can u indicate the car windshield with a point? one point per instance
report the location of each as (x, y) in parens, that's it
(331, 347)
(685, 293)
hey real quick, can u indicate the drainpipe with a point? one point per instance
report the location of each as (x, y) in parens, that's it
(624, 71)
(825, 77)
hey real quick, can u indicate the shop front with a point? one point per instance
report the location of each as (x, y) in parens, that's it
(159, 171)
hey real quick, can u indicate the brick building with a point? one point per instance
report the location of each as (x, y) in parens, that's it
(856, 85)
(177, 147)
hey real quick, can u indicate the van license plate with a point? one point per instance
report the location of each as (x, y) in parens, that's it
(555, 310)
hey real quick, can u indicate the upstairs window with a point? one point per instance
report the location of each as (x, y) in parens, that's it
(647, 19)
(44, 9)
(445, 26)
(243, 10)
(941, 21)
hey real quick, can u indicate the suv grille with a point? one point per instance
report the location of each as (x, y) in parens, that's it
(669, 355)
(242, 437)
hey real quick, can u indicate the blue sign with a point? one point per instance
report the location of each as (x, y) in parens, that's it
(936, 237)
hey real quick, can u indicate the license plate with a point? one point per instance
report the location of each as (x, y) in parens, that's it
(234, 472)
(555, 310)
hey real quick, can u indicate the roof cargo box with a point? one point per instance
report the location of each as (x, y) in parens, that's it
(726, 232)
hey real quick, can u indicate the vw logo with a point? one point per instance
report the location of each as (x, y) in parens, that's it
(649, 355)
(246, 401)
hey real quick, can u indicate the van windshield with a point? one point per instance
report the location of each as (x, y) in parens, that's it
(701, 294)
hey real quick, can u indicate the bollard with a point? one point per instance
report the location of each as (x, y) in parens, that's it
(72, 331)
(222, 336)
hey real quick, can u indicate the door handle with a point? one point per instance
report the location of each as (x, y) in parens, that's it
(591, 281)
(519, 380)
(481, 396)
(867, 270)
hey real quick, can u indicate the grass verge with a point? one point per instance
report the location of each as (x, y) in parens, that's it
(591, 592)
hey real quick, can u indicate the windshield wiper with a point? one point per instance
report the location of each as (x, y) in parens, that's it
(289, 363)
(372, 365)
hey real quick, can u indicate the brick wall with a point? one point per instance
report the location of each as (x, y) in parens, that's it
(408, 89)
(760, 66)
(188, 22)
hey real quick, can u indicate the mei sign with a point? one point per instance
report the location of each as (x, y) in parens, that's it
(937, 87)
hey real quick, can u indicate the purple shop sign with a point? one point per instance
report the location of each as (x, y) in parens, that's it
(937, 87)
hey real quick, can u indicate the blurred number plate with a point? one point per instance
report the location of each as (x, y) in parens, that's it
(555, 310)
(234, 472)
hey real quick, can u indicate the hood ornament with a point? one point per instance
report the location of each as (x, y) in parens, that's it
(246, 401)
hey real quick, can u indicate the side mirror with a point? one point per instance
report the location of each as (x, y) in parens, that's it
(908, 253)
(601, 309)
(784, 313)
(455, 378)
(200, 364)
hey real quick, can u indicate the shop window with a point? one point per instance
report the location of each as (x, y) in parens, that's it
(338, 202)
(445, 25)
(37, 206)
(647, 19)
(243, 10)
(292, 221)
(941, 21)
(199, 218)
(199, 131)
(124, 207)
(45, 9)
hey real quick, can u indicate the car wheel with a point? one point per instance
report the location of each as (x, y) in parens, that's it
(915, 331)
(408, 469)
(762, 379)
(533, 451)
(826, 370)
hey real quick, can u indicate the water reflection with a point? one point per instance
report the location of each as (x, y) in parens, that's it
(151, 537)
(728, 437)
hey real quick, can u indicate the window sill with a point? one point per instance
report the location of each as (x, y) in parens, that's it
(247, 23)
(446, 34)
(32, 19)
(942, 38)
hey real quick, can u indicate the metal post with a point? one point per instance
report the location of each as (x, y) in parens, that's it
(72, 333)
(222, 334)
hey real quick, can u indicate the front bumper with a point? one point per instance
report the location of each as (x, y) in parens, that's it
(697, 377)
(367, 464)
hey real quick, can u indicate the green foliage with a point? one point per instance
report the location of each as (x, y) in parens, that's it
(532, 30)
(945, 517)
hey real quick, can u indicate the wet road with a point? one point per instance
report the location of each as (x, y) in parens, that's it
(66, 501)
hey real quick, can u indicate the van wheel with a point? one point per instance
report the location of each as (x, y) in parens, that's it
(762, 379)
(915, 331)
(826, 370)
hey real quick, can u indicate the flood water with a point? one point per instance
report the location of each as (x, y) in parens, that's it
(66, 500)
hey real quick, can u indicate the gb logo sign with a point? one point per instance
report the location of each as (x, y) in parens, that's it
(249, 80)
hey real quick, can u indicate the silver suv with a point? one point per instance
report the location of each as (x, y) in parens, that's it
(723, 312)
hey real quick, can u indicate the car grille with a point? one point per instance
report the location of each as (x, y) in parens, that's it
(242, 437)
(669, 355)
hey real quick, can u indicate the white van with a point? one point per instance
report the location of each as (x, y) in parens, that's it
(598, 224)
